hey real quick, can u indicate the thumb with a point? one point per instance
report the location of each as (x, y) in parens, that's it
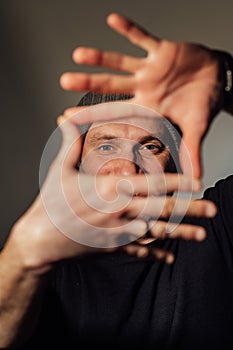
(190, 154)
(71, 148)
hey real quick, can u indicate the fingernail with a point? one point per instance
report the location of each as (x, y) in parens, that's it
(169, 259)
(60, 119)
(211, 210)
(140, 227)
(200, 235)
(142, 252)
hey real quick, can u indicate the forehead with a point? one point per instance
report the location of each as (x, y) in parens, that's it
(132, 128)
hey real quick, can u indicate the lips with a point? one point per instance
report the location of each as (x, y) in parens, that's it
(139, 195)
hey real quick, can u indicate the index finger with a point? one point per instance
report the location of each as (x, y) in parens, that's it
(111, 111)
(158, 184)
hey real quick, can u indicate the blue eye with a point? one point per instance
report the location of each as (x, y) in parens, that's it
(105, 148)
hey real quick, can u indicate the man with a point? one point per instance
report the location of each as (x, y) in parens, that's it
(189, 84)
(187, 305)
(61, 290)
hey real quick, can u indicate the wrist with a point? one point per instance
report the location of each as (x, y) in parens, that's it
(225, 61)
(25, 253)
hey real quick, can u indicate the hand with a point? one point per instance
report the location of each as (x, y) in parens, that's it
(179, 80)
(77, 213)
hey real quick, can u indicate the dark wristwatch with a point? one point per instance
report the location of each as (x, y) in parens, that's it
(226, 77)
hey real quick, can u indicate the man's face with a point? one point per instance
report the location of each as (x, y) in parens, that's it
(123, 148)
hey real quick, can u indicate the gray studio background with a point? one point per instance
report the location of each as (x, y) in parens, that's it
(37, 39)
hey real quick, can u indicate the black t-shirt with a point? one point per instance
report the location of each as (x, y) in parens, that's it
(117, 301)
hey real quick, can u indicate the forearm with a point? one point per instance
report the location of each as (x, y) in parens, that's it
(21, 293)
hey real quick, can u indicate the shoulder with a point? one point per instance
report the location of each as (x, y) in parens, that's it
(221, 192)
(222, 224)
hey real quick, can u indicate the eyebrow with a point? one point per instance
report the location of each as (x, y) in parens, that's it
(105, 137)
(148, 138)
(101, 137)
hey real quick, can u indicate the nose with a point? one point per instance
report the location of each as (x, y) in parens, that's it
(120, 167)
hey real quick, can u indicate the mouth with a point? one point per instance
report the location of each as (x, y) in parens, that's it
(140, 195)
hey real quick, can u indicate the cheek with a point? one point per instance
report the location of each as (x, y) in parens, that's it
(171, 163)
(159, 164)
(91, 164)
(153, 166)
(168, 163)
(94, 164)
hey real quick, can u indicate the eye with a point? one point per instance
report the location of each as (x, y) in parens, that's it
(151, 148)
(105, 148)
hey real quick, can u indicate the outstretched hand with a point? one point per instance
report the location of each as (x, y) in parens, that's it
(177, 79)
(76, 213)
